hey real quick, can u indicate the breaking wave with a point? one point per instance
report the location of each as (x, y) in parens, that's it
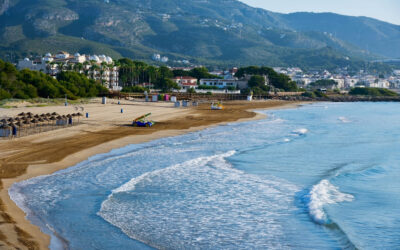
(322, 194)
(192, 205)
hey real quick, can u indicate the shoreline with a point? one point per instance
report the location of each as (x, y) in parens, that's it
(37, 239)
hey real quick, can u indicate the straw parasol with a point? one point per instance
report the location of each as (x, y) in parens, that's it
(41, 121)
(10, 119)
(79, 115)
(20, 125)
(36, 116)
(5, 126)
(52, 119)
(54, 113)
(21, 114)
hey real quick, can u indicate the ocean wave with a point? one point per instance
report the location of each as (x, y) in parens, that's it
(130, 186)
(322, 194)
(344, 119)
(202, 203)
(300, 131)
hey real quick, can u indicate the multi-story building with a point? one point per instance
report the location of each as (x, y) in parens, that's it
(186, 82)
(98, 67)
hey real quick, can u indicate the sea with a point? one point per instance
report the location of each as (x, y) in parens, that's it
(318, 176)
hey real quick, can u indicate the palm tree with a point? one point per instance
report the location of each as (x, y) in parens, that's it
(61, 66)
(70, 66)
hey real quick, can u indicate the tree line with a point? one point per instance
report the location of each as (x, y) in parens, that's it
(25, 84)
(133, 73)
(260, 76)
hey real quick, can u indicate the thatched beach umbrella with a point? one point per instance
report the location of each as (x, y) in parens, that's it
(20, 126)
(10, 119)
(48, 114)
(36, 116)
(40, 123)
(54, 113)
(13, 129)
(69, 119)
(52, 119)
(5, 130)
(35, 122)
(21, 114)
(79, 115)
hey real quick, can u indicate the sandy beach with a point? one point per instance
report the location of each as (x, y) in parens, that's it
(105, 129)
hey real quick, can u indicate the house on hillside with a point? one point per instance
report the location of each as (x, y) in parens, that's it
(35, 64)
(186, 82)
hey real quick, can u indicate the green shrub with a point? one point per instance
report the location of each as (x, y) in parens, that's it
(27, 84)
(372, 92)
(134, 89)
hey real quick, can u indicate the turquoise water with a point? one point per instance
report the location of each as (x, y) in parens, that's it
(322, 176)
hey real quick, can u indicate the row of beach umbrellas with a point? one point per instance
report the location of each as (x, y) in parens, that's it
(29, 120)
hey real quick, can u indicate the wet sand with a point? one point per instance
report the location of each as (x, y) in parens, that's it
(106, 129)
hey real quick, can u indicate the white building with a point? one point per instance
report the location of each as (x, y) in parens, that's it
(38, 65)
(186, 82)
(224, 83)
(63, 61)
(156, 57)
(62, 55)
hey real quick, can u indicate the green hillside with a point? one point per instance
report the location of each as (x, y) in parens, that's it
(218, 32)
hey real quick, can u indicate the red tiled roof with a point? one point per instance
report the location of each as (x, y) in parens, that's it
(185, 78)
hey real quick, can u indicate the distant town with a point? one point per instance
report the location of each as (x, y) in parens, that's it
(105, 70)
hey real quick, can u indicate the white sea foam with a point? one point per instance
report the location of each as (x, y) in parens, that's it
(344, 119)
(130, 185)
(300, 131)
(322, 194)
(201, 203)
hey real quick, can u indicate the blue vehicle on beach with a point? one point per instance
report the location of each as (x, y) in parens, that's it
(142, 121)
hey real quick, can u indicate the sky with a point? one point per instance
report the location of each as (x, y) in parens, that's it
(385, 10)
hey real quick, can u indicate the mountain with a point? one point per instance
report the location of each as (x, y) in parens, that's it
(213, 32)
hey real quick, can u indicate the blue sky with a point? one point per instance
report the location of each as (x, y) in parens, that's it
(385, 10)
